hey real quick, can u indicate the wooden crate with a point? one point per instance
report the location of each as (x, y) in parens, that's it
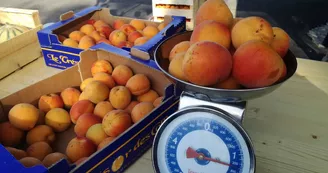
(24, 48)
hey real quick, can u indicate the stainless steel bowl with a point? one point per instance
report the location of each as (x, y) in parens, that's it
(161, 55)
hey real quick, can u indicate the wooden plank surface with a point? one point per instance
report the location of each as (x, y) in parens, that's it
(288, 127)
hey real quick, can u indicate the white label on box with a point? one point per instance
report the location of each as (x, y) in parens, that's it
(184, 2)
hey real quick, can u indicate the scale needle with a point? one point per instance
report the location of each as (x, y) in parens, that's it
(191, 153)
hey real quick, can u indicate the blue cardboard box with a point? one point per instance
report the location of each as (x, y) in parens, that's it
(59, 56)
(127, 147)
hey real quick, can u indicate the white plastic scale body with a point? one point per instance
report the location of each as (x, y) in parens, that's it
(203, 137)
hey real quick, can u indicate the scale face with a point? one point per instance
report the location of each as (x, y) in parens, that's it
(202, 140)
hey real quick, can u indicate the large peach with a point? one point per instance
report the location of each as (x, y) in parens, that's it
(71, 43)
(280, 41)
(79, 108)
(105, 142)
(141, 110)
(30, 162)
(10, 135)
(138, 24)
(53, 158)
(230, 83)
(256, 64)
(211, 30)
(58, 119)
(134, 35)
(105, 30)
(76, 35)
(118, 23)
(284, 73)
(138, 84)
(96, 91)
(149, 96)
(175, 66)
(86, 42)
(85, 83)
(49, 101)
(39, 150)
(78, 148)
(23, 116)
(87, 29)
(206, 63)
(40, 133)
(131, 106)
(101, 66)
(117, 36)
(158, 101)
(120, 97)
(122, 74)
(251, 28)
(85, 122)
(102, 108)
(105, 78)
(179, 48)
(214, 10)
(116, 122)
(17, 153)
(97, 35)
(150, 31)
(70, 96)
(96, 134)
(127, 29)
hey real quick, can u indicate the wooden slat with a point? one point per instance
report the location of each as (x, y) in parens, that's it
(24, 17)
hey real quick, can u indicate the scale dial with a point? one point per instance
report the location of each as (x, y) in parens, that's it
(202, 140)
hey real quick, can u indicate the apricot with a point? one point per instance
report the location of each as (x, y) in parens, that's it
(105, 142)
(175, 66)
(141, 110)
(85, 83)
(84, 123)
(122, 74)
(41, 119)
(216, 10)
(53, 158)
(105, 30)
(70, 96)
(102, 108)
(76, 35)
(96, 91)
(78, 148)
(101, 66)
(116, 122)
(83, 96)
(251, 28)
(58, 119)
(87, 29)
(131, 106)
(206, 63)
(79, 108)
(105, 78)
(251, 69)
(138, 84)
(40, 133)
(39, 150)
(10, 135)
(179, 48)
(161, 26)
(280, 41)
(71, 43)
(158, 101)
(97, 35)
(211, 30)
(86, 42)
(116, 37)
(134, 35)
(118, 23)
(138, 24)
(99, 23)
(30, 162)
(235, 21)
(150, 31)
(17, 153)
(96, 134)
(140, 41)
(23, 116)
(127, 29)
(49, 101)
(104, 41)
(230, 83)
(284, 73)
(120, 97)
(149, 96)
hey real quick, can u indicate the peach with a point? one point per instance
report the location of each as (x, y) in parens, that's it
(105, 142)
(40, 133)
(127, 29)
(99, 23)
(78, 162)
(175, 66)
(158, 101)
(251, 28)
(23, 116)
(71, 43)
(149, 96)
(70, 96)
(58, 119)
(161, 26)
(49, 101)
(10, 135)
(78, 148)
(86, 42)
(101, 66)
(118, 23)
(134, 35)
(179, 48)
(104, 41)
(30, 162)
(83, 96)
(53, 158)
(131, 106)
(41, 119)
(140, 41)
(116, 122)
(79, 108)
(96, 134)
(84, 123)
(85, 83)
(214, 10)
(150, 31)
(105, 78)
(116, 37)
(211, 30)
(96, 91)
(39, 150)
(229, 83)
(122, 74)
(17, 153)
(87, 29)
(280, 41)
(251, 69)
(138, 84)
(102, 108)
(138, 24)
(61, 38)
(76, 35)
(206, 63)
(105, 30)
(141, 110)
(120, 97)
(97, 35)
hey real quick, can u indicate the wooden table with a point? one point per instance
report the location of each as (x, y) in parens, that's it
(289, 127)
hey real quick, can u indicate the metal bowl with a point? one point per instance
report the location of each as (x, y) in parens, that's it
(161, 55)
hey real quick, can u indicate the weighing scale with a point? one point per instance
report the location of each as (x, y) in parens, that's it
(206, 135)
